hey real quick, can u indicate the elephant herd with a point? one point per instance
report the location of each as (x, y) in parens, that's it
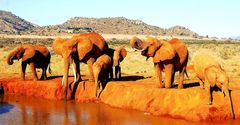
(91, 48)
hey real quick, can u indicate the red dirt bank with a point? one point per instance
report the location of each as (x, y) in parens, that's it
(139, 95)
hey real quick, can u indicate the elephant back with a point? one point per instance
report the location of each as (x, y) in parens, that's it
(181, 49)
(42, 49)
(100, 45)
(201, 62)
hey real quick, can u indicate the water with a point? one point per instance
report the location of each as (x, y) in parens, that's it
(22, 110)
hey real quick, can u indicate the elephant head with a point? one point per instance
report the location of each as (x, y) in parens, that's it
(215, 75)
(25, 52)
(57, 45)
(118, 55)
(152, 47)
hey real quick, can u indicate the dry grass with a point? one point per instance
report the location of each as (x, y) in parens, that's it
(228, 54)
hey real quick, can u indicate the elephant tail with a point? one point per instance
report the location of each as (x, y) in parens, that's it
(49, 69)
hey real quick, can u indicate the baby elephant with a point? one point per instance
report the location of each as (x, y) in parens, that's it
(212, 75)
(117, 56)
(37, 56)
(101, 70)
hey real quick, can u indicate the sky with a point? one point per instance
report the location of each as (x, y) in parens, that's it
(219, 18)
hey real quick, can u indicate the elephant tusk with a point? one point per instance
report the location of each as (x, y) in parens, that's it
(74, 73)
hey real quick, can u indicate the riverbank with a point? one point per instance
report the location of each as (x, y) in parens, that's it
(134, 93)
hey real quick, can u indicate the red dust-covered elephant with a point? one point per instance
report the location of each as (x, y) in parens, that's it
(86, 47)
(117, 55)
(169, 56)
(37, 56)
(102, 68)
(211, 74)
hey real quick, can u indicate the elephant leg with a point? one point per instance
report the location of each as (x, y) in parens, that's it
(117, 72)
(106, 75)
(90, 68)
(43, 76)
(33, 69)
(111, 73)
(181, 78)
(201, 84)
(209, 94)
(168, 75)
(97, 87)
(23, 70)
(158, 72)
(77, 69)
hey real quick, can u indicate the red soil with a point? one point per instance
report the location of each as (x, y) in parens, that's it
(188, 103)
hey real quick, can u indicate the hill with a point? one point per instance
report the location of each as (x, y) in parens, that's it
(122, 25)
(11, 24)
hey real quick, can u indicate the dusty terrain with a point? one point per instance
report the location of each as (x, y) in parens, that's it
(136, 90)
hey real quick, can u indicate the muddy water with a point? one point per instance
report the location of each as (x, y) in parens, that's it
(22, 110)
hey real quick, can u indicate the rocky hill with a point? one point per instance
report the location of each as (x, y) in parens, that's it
(11, 24)
(121, 25)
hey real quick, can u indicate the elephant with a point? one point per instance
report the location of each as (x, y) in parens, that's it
(86, 47)
(169, 56)
(212, 75)
(37, 56)
(117, 56)
(102, 69)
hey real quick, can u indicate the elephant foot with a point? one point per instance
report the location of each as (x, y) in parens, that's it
(43, 78)
(91, 80)
(209, 103)
(180, 86)
(160, 86)
(202, 87)
(35, 79)
(98, 93)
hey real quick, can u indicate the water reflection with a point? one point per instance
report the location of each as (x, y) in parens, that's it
(4, 106)
(29, 110)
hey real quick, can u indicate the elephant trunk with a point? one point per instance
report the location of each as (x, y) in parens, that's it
(226, 91)
(116, 63)
(65, 77)
(96, 72)
(10, 57)
(136, 43)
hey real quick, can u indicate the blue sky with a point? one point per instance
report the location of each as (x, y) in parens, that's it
(220, 18)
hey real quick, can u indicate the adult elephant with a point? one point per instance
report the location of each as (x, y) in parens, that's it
(37, 56)
(169, 56)
(85, 48)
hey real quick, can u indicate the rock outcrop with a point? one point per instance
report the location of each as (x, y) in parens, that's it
(188, 103)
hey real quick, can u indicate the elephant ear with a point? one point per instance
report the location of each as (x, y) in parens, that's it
(210, 74)
(29, 52)
(84, 47)
(57, 45)
(165, 52)
(123, 52)
(136, 43)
